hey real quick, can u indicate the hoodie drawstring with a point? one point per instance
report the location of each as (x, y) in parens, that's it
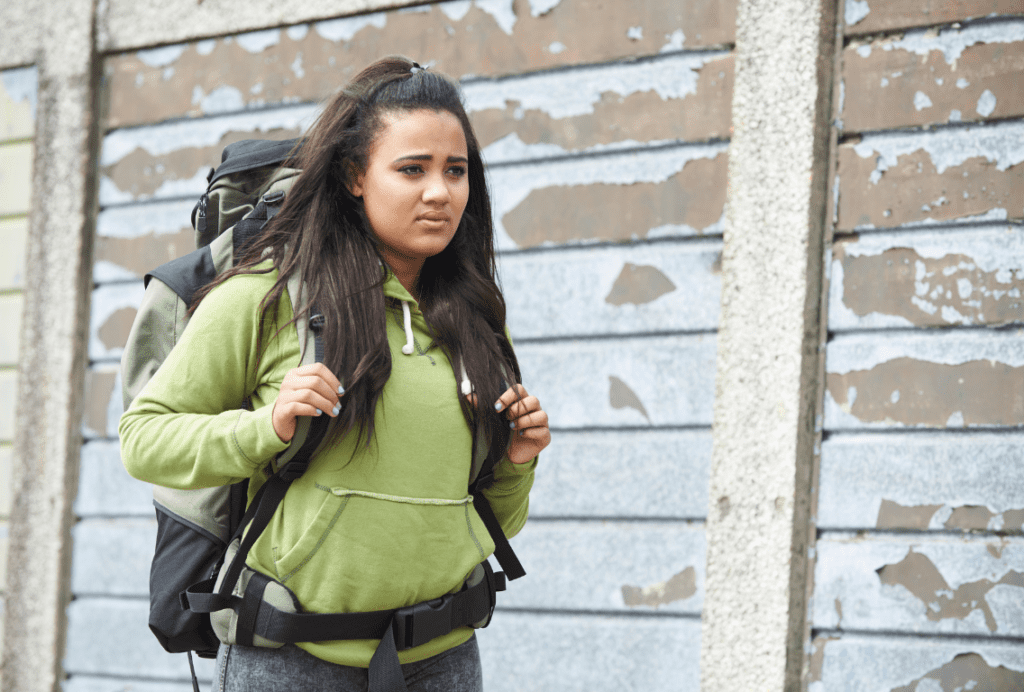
(407, 323)
(466, 386)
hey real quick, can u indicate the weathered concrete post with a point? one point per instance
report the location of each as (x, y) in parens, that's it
(58, 38)
(768, 361)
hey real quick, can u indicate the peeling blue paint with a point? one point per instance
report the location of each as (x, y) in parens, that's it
(456, 10)
(502, 11)
(673, 77)
(346, 28)
(539, 8)
(256, 42)
(856, 10)
(161, 57)
(1002, 144)
(953, 42)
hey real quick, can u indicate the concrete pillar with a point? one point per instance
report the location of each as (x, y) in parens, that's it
(768, 364)
(58, 38)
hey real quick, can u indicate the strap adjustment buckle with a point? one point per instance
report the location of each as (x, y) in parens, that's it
(418, 624)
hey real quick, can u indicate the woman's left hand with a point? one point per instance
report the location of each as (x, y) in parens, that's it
(529, 423)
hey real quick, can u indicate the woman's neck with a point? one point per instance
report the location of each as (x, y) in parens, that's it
(407, 271)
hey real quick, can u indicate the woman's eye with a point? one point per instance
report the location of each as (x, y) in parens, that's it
(457, 171)
(411, 170)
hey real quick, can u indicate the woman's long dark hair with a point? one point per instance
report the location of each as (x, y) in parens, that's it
(322, 233)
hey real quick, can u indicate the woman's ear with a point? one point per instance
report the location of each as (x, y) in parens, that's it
(355, 181)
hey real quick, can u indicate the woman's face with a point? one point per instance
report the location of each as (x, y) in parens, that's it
(416, 185)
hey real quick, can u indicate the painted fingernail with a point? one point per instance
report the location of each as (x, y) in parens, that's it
(337, 409)
(318, 412)
(512, 425)
(498, 405)
(341, 390)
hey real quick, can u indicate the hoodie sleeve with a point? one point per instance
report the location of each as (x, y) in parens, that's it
(188, 428)
(509, 495)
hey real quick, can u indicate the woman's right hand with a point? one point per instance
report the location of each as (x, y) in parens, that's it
(308, 390)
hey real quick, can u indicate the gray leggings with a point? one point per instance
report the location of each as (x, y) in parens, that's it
(256, 669)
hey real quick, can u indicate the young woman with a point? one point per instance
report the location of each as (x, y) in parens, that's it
(389, 229)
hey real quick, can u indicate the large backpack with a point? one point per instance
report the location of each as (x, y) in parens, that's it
(201, 592)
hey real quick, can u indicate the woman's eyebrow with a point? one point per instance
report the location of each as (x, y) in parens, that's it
(429, 157)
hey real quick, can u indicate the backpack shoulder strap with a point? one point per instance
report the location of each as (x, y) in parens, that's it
(481, 477)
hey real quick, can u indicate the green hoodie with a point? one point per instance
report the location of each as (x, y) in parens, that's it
(391, 526)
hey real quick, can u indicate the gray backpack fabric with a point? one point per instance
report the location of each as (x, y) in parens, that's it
(194, 527)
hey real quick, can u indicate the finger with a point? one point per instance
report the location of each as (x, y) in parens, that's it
(313, 383)
(316, 400)
(538, 419)
(511, 395)
(323, 372)
(521, 408)
(294, 409)
(534, 436)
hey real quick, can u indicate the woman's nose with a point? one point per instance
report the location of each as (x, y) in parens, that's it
(437, 190)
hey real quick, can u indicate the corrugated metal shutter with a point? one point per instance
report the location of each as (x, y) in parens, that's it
(919, 581)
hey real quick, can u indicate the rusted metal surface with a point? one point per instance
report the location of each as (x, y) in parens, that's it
(663, 192)
(99, 625)
(113, 311)
(874, 16)
(966, 277)
(105, 488)
(173, 159)
(681, 96)
(936, 482)
(594, 474)
(18, 90)
(923, 584)
(538, 652)
(311, 61)
(103, 401)
(950, 379)
(112, 556)
(15, 178)
(637, 572)
(135, 239)
(854, 663)
(671, 379)
(628, 289)
(13, 233)
(947, 175)
(925, 78)
(656, 193)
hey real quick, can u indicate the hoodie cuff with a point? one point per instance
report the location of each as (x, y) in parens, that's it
(254, 436)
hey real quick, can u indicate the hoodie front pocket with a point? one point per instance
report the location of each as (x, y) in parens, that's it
(305, 549)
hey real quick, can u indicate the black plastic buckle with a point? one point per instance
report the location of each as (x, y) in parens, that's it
(418, 624)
